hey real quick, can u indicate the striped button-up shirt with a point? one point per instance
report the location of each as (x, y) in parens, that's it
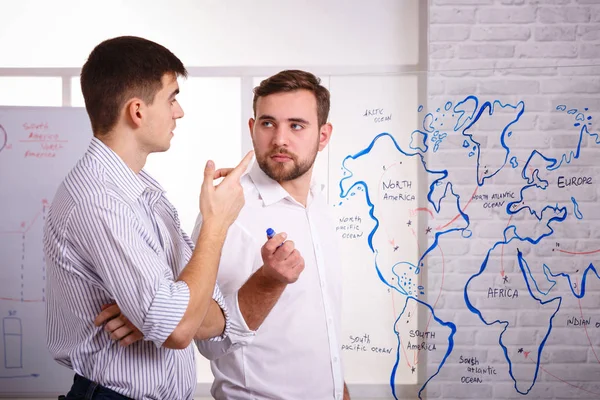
(111, 235)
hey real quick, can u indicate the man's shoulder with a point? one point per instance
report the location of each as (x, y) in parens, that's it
(81, 185)
(250, 190)
(84, 180)
(89, 185)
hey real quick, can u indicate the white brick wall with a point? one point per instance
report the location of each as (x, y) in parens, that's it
(545, 53)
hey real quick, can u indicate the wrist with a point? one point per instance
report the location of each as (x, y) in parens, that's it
(214, 227)
(269, 282)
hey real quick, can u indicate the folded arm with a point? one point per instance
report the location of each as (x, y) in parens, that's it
(166, 311)
(130, 268)
(123, 331)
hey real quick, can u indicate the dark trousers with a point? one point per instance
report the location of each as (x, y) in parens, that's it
(84, 389)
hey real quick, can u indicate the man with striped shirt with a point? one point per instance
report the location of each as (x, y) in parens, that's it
(111, 236)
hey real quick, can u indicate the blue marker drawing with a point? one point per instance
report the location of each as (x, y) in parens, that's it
(576, 211)
(20, 376)
(538, 284)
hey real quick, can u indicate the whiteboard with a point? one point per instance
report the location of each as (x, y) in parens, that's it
(379, 255)
(38, 146)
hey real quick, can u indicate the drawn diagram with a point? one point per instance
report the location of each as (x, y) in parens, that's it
(13, 364)
(24, 266)
(38, 147)
(27, 267)
(3, 138)
(507, 216)
(12, 334)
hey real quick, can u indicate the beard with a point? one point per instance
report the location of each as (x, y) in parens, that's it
(282, 172)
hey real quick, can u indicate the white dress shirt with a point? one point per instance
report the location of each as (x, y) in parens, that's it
(295, 353)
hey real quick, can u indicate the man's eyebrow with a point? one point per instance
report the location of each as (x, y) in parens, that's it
(299, 120)
(175, 93)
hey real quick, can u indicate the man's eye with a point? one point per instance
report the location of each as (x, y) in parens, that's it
(267, 124)
(296, 127)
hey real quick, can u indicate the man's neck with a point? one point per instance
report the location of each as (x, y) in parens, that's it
(126, 149)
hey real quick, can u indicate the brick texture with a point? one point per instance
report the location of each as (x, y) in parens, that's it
(545, 53)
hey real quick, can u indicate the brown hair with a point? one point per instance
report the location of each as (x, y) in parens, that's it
(290, 80)
(119, 69)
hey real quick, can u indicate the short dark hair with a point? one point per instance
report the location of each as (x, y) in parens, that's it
(290, 80)
(119, 69)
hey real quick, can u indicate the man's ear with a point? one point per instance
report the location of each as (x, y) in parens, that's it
(134, 110)
(324, 135)
(251, 123)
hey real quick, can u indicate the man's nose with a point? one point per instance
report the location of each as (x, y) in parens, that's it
(280, 137)
(178, 112)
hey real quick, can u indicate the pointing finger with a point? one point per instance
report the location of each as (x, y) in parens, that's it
(241, 167)
(222, 172)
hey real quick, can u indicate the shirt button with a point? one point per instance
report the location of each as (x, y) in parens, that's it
(335, 359)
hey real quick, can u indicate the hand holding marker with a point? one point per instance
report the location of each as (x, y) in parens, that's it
(270, 234)
(282, 261)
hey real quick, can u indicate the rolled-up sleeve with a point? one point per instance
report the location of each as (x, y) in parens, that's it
(131, 266)
(219, 299)
(165, 312)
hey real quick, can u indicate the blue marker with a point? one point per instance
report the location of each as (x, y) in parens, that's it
(270, 234)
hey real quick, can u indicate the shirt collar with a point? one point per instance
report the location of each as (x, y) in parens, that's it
(132, 184)
(271, 191)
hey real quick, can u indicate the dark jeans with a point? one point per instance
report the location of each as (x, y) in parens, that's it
(84, 389)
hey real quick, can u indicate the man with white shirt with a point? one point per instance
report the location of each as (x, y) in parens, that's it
(284, 297)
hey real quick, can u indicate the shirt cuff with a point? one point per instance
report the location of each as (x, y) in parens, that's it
(236, 333)
(166, 311)
(239, 332)
(218, 298)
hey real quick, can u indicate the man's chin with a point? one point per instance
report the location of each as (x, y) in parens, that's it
(279, 176)
(277, 172)
(162, 149)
